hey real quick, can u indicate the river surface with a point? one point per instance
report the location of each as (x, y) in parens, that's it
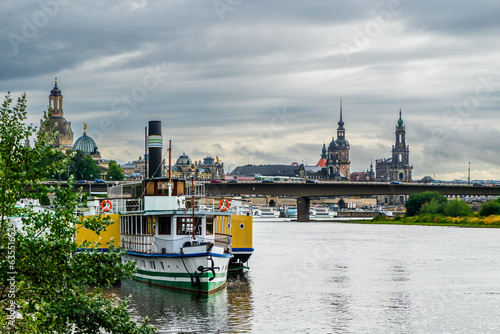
(344, 278)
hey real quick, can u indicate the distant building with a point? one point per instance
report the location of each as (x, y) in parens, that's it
(57, 122)
(136, 170)
(337, 165)
(209, 169)
(397, 167)
(368, 176)
(87, 145)
(267, 170)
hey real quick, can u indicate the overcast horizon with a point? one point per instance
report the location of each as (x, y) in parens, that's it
(260, 82)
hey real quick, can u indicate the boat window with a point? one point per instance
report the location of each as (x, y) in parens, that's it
(150, 189)
(162, 188)
(165, 225)
(185, 225)
(209, 225)
(144, 225)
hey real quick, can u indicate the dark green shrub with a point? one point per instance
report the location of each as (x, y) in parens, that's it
(490, 208)
(457, 208)
(416, 201)
(435, 206)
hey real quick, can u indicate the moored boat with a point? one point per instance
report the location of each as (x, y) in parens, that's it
(290, 212)
(322, 212)
(170, 235)
(269, 212)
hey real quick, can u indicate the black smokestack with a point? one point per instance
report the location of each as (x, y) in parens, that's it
(155, 145)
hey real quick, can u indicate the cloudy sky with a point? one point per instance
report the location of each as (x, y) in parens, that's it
(260, 82)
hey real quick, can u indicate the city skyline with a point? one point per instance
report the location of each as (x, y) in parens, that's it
(260, 83)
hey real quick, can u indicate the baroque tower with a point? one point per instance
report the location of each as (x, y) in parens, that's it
(338, 163)
(57, 122)
(400, 169)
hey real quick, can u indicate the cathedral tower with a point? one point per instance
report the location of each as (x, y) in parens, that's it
(338, 163)
(57, 122)
(400, 169)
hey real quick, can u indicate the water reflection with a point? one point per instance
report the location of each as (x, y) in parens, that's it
(399, 306)
(229, 310)
(344, 278)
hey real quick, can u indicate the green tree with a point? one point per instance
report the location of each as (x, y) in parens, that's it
(435, 206)
(115, 172)
(46, 286)
(416, 201)
(490, 208)
(82, 166)
(457, 208)
(55, 161)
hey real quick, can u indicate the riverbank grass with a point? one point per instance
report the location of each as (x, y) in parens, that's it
(492, 221)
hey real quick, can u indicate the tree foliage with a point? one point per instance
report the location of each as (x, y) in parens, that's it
(457, 208)
(115, 172)
(55, 161)
(82, 166)
(490, 208)
(46, 284)
(416, 202)
(435, 206)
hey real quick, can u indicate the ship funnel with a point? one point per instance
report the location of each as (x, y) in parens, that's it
(155, 145)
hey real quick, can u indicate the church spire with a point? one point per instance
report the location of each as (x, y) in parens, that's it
(341, 122)
(324, 155)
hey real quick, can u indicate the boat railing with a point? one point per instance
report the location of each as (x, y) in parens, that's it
(139, 243)
(199, 189)
(224, 241)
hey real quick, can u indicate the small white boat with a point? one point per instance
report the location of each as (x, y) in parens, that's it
(322, 212)
(269, 212)
(290, 212)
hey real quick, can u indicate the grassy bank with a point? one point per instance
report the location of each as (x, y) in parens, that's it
(437, 220)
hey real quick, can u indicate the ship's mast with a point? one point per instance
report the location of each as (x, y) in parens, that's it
(192, 204)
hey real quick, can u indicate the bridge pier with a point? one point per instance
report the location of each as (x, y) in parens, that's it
(303, 205)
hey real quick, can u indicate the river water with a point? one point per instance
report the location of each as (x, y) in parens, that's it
(344, 278)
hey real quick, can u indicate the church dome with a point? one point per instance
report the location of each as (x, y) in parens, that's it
(184, 160)
(332, 146)
(85, 144)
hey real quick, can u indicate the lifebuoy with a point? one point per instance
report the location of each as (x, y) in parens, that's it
(106, 205)
(223, 205)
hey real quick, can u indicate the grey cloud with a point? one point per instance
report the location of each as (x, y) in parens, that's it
(227, 76)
